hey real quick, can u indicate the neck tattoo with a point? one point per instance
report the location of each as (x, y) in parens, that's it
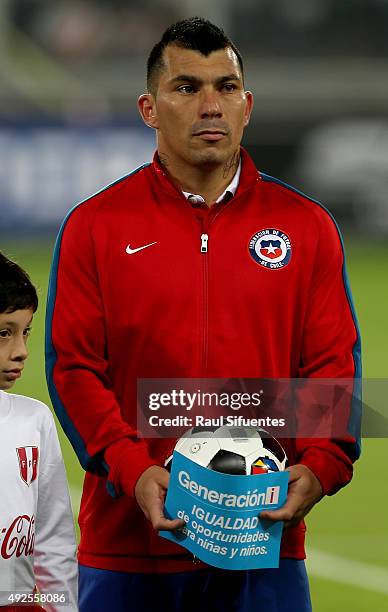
(163, 159)
(231, 164)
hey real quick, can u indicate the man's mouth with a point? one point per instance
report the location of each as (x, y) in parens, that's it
(211, 134)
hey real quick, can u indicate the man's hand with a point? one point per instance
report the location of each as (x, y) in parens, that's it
(304, 491)
(150, 492)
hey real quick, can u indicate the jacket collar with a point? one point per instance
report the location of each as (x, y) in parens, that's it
(248, 177)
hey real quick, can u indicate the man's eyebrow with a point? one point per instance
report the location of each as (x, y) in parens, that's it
(190, 78)
(229, 77)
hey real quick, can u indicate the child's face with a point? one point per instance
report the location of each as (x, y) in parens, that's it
(14, 331)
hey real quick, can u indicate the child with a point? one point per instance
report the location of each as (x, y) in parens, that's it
(37, 543)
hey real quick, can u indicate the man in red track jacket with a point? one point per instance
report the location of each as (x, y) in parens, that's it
(195, 265)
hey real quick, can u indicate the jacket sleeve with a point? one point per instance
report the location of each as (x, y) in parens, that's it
(55, 564)
(76, 362)
(331, 350)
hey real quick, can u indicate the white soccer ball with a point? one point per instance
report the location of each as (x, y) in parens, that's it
(232, 450)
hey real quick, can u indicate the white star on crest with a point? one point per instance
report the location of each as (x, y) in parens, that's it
(270, 249)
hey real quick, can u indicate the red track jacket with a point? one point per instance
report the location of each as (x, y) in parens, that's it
(169, 310)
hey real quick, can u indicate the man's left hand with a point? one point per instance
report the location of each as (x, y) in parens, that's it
(304, 491)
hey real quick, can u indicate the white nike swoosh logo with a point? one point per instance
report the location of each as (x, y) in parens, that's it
(132, 251)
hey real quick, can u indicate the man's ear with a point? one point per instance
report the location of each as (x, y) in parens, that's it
(248, 107)
(147, 109)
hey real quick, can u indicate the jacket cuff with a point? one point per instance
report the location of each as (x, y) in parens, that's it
(332, 473)
(126, 461)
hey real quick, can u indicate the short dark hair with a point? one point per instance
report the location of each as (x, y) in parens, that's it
(16, 290)
(195, 33)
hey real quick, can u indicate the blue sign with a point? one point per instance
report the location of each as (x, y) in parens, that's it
(221, 512)
(45, 170)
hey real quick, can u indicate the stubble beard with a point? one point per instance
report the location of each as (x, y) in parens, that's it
(211, 157)
(205, 158)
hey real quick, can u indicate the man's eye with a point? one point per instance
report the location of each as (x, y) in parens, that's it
(4, 333)
(229, 87)
(27, 332)
(186, 89)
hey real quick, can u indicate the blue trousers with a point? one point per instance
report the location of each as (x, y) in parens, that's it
(210, 590)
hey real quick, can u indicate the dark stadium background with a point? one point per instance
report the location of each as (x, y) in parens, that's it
(70, 73)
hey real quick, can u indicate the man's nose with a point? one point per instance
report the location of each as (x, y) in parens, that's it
(210, 104)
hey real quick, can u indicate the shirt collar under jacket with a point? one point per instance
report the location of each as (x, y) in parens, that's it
(227, 194)
(249, 176)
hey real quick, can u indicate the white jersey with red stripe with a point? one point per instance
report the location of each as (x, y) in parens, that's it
(37, 541)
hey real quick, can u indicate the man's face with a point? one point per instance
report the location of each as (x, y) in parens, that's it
(14, 331)
(199, 108)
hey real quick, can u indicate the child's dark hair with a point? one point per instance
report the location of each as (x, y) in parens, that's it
(16, 290)
(195, 33)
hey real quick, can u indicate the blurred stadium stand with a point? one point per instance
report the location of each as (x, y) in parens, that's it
(71, 71)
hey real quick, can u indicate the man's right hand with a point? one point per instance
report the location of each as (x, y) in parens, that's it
(150, 493)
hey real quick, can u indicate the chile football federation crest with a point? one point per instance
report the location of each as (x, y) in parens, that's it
(271, 248)
(28, 463)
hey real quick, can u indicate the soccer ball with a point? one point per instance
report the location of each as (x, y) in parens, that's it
(232, 450)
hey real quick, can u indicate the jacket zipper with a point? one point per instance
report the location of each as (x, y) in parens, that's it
(205, 276)
(205, 280)
(205, 223)
(204, 244)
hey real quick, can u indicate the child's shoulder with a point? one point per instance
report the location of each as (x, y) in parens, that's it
(23, 406)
